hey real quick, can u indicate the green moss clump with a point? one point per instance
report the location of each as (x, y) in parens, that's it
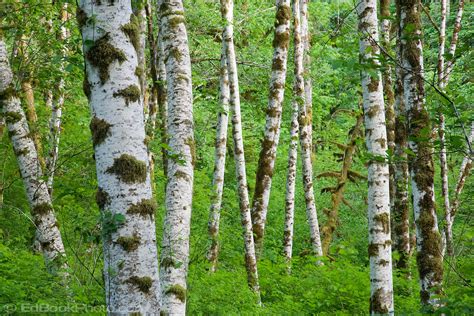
(132, 30)
(22, 152)
(129, 243)
(102, 54)
(86, 87)
(129, 169)
(167, 262)
(102, 198)
(373, 250)
(178, 291)
(376, 303)
(130, 94)
(139, 71)
(100, 130)
(176, 20)
(42, 209)
(373, 85)
(12, 117)
(143, 284)
(144, 208)
(81, 17)
(384, 220)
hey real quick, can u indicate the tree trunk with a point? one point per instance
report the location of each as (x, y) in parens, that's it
(298, 97)
(337, 194)
(57, 107)
(385, 26)
(179, 189)
(266, 162)
(305, 119)
(227, 9)
(454, 41)
(118, 133)
(219, 163)
(429, 259)
(380, 253)
(464, 171)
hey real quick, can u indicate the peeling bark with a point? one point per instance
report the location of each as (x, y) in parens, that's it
(179, 189)
(380, 254)
(266, 162)
(227, 10)
(219, 163)
(429, 259)
(305, 119)
(118, 132)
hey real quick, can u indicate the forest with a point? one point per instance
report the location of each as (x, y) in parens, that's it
(236, 157)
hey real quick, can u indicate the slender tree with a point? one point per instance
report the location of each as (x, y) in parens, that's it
(428, 241)
(219, 162)
(298, 97)
(266, 162)
(380, 253)
(227, 10)
(179, 189)
(111, 42)
(48, 236)
(305, 119)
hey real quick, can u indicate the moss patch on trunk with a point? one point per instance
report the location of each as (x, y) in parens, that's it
(129, 169)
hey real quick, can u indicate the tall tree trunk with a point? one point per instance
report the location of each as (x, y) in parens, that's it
(227, 10)
(380, 252)
(48, 235)
(464, 171)
(266, 161)
(305, 119)
(401, 203)
(385, 26)
(454, 41)
(57, 107)
(429, 259)
(118, 133)
(337, 193)
(298, 97)
(179, 189)
(219, 162)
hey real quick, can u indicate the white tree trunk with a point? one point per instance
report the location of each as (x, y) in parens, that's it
(57, 108)
(219, 163)
(429, 259)
(380, 253)
(179, 189)
(118, 133)
(454, 41)
(305, 118)
(48, 235)
(298, 97)
(227, 9)
(464, 171)
(266, 162)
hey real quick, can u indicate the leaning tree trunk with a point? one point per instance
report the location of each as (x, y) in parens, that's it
(266, 162)
(57, 104)
(380, 252)
(298, 91)
(227, 10)
(305, 119)
(401, 211)
(111, 40)
(454, 41)
(219, 163)
(179, 189)
(464, 171)
(385, 26)
(429, 259)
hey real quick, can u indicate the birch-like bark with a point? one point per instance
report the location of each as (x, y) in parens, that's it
(179, 189)
(266, 162)
(305, 119)
(428, 241)
(454, 41)
(401, 211)
(464, 171)
(298, 92)
(48, 235)
(118, 133)
(219, 163)
(57, 108)
(385, 26)
(380, 252)
(227, 10)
